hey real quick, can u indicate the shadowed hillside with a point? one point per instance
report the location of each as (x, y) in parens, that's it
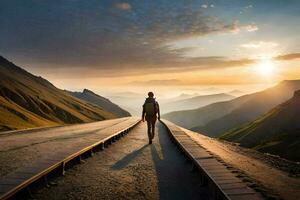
(194, 102)
(276, 132)
(203, 115)
(98, 100)
(217, 118)
(29, 101)
(258, 104)
(130, 101)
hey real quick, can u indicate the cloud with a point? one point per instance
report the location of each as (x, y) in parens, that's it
(110, 42)
(260, 44)
(157, 82)
(172, 64)
(204, 80)
(246, 8)
(249, 6)
(122, 6)
(290, 56)
(251, 27)
(207, 6)
(236, 27)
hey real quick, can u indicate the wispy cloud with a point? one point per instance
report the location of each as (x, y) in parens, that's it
(114, 40)
(249, 6)
(237, 27)
(122, 6)
(207, 6)
(251, 27)
(246, 8)
(160, 65)
(157, 82)
(290, 56)
(259, 44)
(105, 38)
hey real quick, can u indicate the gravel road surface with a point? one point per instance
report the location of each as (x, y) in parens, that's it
(130, 169)
(19, 149)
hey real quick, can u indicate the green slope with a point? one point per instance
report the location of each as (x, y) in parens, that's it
(30, 101)
(276, 132)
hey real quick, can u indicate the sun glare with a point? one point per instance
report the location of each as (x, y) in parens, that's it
(265, 67)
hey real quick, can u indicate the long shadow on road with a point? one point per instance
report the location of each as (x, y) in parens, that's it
(175, 178)
(128, 158)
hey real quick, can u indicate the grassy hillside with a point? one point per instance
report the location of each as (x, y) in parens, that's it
(30, 101)
(98, 100)
(194, 102)
(276, 132)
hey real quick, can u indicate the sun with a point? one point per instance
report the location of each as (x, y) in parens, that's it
(265, 67)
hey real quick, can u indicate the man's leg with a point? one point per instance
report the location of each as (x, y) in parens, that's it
(153, 122)
(149, 131)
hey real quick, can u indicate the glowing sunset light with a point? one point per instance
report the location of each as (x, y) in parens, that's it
(265, 67)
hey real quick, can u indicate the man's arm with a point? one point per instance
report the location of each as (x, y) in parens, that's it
(158, 110)
(143, 113)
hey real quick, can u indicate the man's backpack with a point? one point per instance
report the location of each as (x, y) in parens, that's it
(151, 108)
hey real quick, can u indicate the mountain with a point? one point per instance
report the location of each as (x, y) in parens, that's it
(127, 94)
(98, 100)
(194, 102)
(182, 96)
(216, 118)
(28, 101)
(276, 132)
(130, 101)
(203, 115)
(236, 93)
(258, 104)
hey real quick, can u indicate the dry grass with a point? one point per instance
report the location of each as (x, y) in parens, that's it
(29, 101)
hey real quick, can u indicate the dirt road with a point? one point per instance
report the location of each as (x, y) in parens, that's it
(131, 169)
(24, 147)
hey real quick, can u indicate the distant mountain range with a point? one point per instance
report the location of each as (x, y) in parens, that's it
(203, 115)
(276, 132)
(133, 102)
(91, 97)
(236, 93)
(28, 101)
(181, 97)
(194, 102)
(217, 118)
(130, 101)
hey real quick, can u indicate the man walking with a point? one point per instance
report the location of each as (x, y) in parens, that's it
(150, 113)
